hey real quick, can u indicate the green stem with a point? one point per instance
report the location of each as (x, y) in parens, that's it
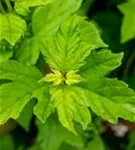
(9, 5)
(2, 8)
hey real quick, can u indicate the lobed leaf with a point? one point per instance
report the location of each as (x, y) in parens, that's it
(106, 94)
(69, 47)
(12, 104)
(90, 35)
(45, 106)
(20, 90)
(101, 63)
(70, 103)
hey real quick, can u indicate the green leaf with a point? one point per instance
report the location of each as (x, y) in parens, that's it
(28, 52)
(12, 104)
(47, 19)
(106, 94)
(45, 106)
(22, 6)
(61, 52)
(12, 27)
(71, 104)
(7, 143)
(52, 134)
(90, 35)
(101, 63)
(14, 70)
(67, 50)
(25, 81)
(128, 26)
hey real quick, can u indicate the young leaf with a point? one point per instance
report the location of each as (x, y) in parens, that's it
(61, 52)
(56, 77)
(128, 26)
(22, 6)
(12, 27)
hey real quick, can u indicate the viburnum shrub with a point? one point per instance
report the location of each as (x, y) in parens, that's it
(55, 66)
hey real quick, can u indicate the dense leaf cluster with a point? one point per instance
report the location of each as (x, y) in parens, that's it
(55, 65)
